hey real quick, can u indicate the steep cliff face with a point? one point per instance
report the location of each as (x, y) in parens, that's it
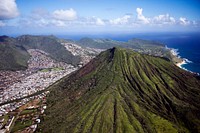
(124, 91)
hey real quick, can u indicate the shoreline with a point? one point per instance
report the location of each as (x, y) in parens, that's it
(178, 61)
(183, 61)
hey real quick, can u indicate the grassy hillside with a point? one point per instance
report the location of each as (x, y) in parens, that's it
(108, 43)
(49, 44)
(99, 43)
(13, 56)
(139, 45)
(124, 91)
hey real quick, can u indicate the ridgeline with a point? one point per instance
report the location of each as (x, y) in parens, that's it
(124, 91)
(49, 44)
(14, 54)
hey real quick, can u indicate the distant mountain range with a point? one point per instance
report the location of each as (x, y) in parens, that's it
(14, 55)
(124, 91)
(143, 46)
(108, 43)
(50, 45)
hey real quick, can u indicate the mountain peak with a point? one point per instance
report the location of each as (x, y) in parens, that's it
(124, 91)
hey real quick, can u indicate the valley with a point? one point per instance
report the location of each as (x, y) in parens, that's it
(18, 88)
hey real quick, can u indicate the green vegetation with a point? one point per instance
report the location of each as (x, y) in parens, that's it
(49, 44)
(124, 91)
(21, 124)
(5, 117)
(142, 46)
(13, 56)
(52, 69)
(45, 70)
(57, 69)
(28, 111)
(133, 43)
(99, 43)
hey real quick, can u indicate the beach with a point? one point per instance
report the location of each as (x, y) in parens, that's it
(178, 61)
(181, 63)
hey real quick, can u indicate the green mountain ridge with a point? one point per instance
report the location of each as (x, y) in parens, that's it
(99, 43)
(108, 43)
(52, 45)
(13, 56)
(49, 44)
(143, 46)
(124, 91)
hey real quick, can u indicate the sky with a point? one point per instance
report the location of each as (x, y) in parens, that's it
(98, 16)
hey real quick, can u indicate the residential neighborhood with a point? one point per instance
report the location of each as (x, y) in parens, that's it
(19, 88)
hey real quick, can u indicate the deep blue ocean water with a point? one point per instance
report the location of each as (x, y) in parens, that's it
(188, 44)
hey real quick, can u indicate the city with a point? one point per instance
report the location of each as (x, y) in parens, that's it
(19, 88)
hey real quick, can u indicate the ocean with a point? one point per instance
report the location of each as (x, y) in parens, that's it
(187, 45)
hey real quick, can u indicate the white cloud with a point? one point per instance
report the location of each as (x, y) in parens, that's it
(8, 9)
(40, 13)
(140, 17)
(164, 20)
(59, 23)
(42, 22)
(65, 15)
(69, 19)
(184, 21)
(89, 21)
(122, 20)
(2, 24)
(99, 22)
